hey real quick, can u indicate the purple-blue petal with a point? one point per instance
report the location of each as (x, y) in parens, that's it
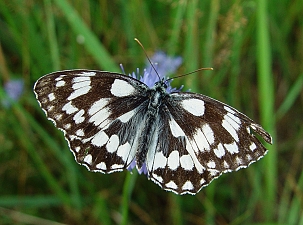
(133, 165)
(13, 89)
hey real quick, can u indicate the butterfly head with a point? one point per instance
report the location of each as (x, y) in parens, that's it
(153, 81)
(162, 86)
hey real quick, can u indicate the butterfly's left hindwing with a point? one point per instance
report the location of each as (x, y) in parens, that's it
(97, 111)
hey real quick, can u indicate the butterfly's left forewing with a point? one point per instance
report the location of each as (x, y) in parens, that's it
(99, 112)
(203, 139)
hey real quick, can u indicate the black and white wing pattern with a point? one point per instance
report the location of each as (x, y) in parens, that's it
(185, 140)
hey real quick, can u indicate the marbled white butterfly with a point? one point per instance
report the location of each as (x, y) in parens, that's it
(184, 140)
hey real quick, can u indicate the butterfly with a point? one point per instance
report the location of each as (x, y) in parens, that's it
(183, 140)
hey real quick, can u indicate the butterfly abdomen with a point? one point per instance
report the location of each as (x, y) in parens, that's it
(148, 135)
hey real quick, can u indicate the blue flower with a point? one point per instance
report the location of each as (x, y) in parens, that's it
(133, 165)
(13, 90)
(165, 66)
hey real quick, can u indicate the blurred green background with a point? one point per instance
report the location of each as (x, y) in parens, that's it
(256, 50)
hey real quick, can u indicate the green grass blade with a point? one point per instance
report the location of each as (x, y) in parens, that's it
(293, 94)
(191, 43)
(266, 99)
(178, 15)
(91, 42)
(53, 44)
(43, 170)
(127, 192)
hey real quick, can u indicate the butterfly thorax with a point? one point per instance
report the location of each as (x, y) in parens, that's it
(155, 95)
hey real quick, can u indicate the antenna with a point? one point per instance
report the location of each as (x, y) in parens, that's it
(183, 75)
(148, 57)
(195, 71)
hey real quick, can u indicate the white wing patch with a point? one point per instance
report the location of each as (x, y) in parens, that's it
(100, 139)
(127, 116)
(252, 146)
(60, 83)
(79, 92)
(88, 159)
(186, 162)
(211, 164)
(209, 134)
(171, 185)
(69, 108)
(101, 166)
(188, 186)
(80, 82)
(98, 105)
(192, 155)
(201, 140)
(121, 88)
(232, 148)
(159, 161)
(78, 117)
(194, 106)
(173, 160)
(232, 125)
(88, 73)
(100, 116)
(112, 143)
(219, 151)
(123, 151)
(51, 97)
(80, 133)
(175, 128)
